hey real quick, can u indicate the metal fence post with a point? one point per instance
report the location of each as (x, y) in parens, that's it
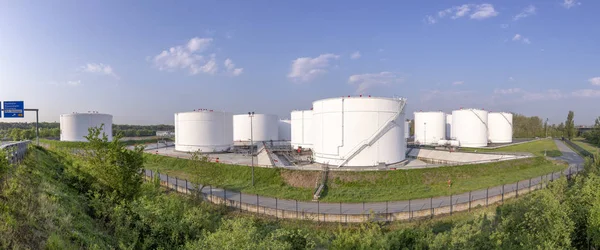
(318, 211)
(431, 205)
(340, 207)
(409, 210)
(211, 191)
(502, 193)
(296, 209)
(276, 208)
(225, 196)
(386, 210)
(517, 191)
(240, 201)
(186, 186)
(151, 175)
(469, 201)
(487, 196)
(529, 185)
(176, 184)
(363, 211)
(450, 203)
(257, 202)
(167, 181)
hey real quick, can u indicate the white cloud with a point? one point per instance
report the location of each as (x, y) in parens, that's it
(570, 3)
(190, 57)
(99, 68)
(519, 37)
(355, 55)
(504, 26)
(528, 11)
(510, 78)
(74, 83)
(209, 66)
(458, 83)
(305, 69)
(366, 81)
(484, 11)
(507, 91)
(230, 67)
(474, 11)
(198, 44)
(430, 20)
(595, 81)
(586, 93)
(551, 94)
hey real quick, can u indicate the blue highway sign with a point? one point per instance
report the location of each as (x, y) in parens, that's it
(14, 109)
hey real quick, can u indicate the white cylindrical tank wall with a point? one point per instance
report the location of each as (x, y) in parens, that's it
(430, 127)
(500, 127)
(301, 129)
(358, 131)
(74, 127)
(448, 126)
(264, 127)
(406, 129)
(204, 130)
(285, 130)
(470, 127)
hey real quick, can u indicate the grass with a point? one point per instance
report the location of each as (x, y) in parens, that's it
(537, 148)
(586, 145)
(373, 186)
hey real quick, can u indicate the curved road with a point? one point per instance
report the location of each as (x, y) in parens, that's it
(574, 160)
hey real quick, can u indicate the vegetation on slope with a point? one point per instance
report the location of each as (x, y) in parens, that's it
(354, 186)
(537, 148)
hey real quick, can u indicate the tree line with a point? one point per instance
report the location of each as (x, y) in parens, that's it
(51, 130)
(593, 136)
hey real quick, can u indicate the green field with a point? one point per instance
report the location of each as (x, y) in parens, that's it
(585, 145)
(355, 186)
(535, 147)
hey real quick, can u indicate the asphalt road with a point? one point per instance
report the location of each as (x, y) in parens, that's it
(574, 160)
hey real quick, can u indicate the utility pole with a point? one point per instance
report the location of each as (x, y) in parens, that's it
(251, 114)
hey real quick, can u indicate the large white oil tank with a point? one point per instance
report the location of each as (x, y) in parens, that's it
(500, 127)
(449, 126)
(203, 131)
(264, 127)
(406, 129)
(358, 131)
(74, 127)
(285, 130)
(301, 129)
(430, 127)
(470, 127)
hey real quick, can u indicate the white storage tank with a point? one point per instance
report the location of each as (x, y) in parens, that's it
(358, 131)
(470, 127)
(301, 129)
(264, 127)
(430, 127)
(449, 127)
(203, 131)
(407, 129)
(74, 127)
(285, 130)
(500, 127)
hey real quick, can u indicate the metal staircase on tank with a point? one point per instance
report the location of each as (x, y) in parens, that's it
(381, 132)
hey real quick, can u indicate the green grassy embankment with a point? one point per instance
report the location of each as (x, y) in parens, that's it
(39, 210)
(355, 186)
(586, 145)
(537, 148)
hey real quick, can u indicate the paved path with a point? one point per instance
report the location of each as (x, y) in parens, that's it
(574, 160)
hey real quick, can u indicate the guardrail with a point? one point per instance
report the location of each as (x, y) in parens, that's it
(15, 151)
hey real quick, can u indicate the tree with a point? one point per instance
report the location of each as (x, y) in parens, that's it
(116, 168)
(561, 129)
(15, 134)
(570, 125)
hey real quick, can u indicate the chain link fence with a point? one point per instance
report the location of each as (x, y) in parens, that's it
(359, 212)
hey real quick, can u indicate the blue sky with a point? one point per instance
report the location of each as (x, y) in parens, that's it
(143, 61)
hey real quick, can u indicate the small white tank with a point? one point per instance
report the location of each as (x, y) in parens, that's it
(264, 127)
(302, 129)
(75, 127)
(449, 126)
(203, 131)
(430, 127)
(470, 127)
(406, 129)
(500, 127)
(285, 130)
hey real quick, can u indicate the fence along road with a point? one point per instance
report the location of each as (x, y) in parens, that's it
(387, 211)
